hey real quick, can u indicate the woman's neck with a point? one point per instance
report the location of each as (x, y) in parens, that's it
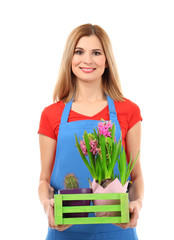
(89, 92)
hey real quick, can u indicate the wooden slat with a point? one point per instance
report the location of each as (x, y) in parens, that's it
(124, 208)
(93, 196)
(92, 220)
(58, 209)
(101, 208)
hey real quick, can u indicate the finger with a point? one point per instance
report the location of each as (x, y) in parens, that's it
(51, 214)
(52, 202)
(134, 225)
(122, 225)
(126, 225)
(52, 226)
(134, 217)
(62, 227)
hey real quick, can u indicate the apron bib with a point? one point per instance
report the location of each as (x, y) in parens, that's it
(68, 160)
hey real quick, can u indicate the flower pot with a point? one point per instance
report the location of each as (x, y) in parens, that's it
(75, 202)
(113, 187)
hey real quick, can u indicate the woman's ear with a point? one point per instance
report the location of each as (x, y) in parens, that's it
(106, 65)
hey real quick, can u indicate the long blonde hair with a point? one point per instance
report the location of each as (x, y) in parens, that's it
(65, 86)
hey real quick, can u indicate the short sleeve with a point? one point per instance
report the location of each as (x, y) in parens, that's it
(134, 115)
(45, 126)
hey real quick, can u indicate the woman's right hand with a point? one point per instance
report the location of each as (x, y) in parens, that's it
(49, 210)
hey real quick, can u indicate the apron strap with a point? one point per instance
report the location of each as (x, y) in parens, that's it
(65, 114)
(111, 106)
(112, 110)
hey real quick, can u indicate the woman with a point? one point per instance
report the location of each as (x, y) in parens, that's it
(89, 82)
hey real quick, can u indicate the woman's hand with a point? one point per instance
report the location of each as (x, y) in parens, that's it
(134, 209)
(49, 210)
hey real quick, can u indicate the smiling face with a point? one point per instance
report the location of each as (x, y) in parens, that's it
(89, 61)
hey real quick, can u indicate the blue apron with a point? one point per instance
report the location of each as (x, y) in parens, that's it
(68, 160)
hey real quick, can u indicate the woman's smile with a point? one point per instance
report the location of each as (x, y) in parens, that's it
(87, 70)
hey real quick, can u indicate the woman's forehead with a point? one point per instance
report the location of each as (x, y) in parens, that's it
(89, 42)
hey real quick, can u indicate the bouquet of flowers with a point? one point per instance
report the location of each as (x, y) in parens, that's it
(100, 152)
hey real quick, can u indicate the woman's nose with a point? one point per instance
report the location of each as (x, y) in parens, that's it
(87, 58)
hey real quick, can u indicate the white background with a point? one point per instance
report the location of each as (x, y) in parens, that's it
(33, 34)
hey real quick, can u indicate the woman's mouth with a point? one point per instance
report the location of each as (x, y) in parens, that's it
(87, 70)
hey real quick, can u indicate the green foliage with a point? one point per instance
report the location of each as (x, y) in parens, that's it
(101, 165)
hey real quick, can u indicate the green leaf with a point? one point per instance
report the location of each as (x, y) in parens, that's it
(130, 161)
(88, 147)
(104, 159)
(115, 153)
(100, 175)
(99, 169)
(122, 165)
(113, 158)
(133, 164)
(95, 133)
(113, 132)
(109, 160)
(109, 151)
(128, 167)
(112, 175)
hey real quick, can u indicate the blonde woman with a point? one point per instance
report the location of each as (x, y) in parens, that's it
(88, 89)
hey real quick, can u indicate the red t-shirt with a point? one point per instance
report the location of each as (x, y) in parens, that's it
(128, 114)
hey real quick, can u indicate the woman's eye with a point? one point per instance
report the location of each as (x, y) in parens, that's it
(79, 52)
(97, 53)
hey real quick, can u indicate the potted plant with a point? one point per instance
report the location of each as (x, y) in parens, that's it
(72, 187)
(100, 152)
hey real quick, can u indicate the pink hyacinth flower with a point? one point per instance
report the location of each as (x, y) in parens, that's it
(83, 147)
(93, 144)
(105, 128)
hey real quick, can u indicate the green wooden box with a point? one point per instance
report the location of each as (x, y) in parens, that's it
(122, 207)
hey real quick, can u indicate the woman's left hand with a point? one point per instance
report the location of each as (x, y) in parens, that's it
(134, 209)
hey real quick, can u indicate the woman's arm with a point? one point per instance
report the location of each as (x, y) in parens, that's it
(133, 142)
(46, 192)
(47, 152)
(136, 192)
